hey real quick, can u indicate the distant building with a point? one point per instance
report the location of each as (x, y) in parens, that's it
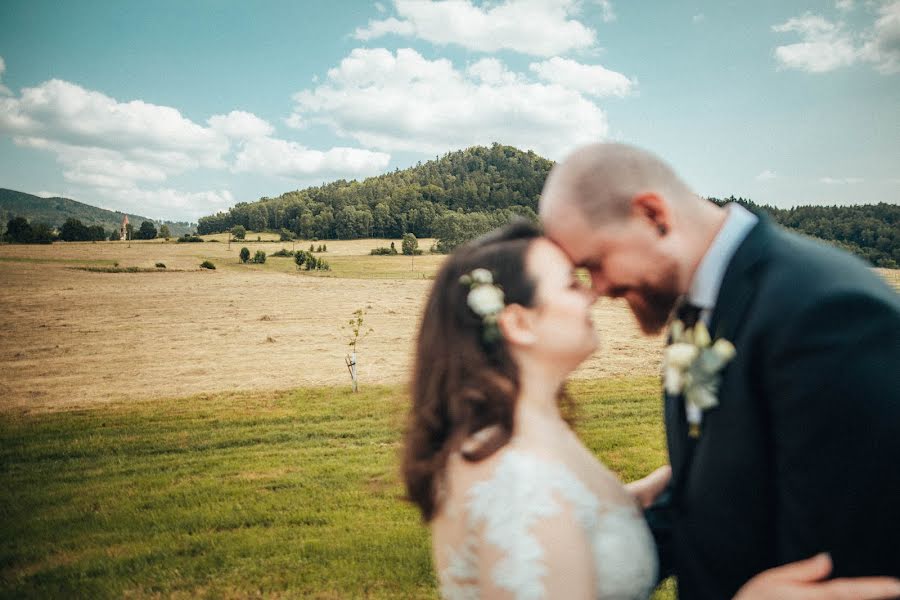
(123, 231)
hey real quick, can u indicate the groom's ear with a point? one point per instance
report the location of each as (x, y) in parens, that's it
(652, 209)
(516, 325)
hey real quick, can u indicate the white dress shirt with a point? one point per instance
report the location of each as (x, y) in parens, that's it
(704, 290)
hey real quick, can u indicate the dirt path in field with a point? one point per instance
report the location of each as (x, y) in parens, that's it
(74, 339)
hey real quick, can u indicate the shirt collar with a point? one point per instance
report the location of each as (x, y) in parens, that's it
(708, 278)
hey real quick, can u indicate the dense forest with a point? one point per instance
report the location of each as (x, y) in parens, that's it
(871, 231)
(464, 193)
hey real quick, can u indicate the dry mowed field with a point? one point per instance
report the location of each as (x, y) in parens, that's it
(73, 338)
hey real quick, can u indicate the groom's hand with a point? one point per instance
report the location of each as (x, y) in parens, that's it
(804, 580)
(646, 490)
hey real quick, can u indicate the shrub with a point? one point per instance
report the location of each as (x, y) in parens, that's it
(286, 235)
(41, 233)
(147, 231)
(245, 254)
(18, 230)
(324, 248)
(207, 265)
(190, 238)
(259, 238)
(306, 260)
(312, 248)
(283, 252)
(383, 251)
(160, 265)
(239, 232)
(410, 245)
(300, 258)
(259, 257)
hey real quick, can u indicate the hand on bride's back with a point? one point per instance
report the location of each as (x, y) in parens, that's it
(646, 490)
(804, 580)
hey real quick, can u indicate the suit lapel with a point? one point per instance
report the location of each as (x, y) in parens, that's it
(735, 296)
(739, 284)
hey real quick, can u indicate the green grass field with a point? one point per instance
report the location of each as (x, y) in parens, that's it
(292, 494)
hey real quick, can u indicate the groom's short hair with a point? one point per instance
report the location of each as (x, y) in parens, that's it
(604, 179)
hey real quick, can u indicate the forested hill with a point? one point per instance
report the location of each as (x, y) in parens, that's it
(54, 212)
(462, 194)
(479, 184)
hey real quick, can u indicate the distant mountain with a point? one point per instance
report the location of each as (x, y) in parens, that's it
(55, 211)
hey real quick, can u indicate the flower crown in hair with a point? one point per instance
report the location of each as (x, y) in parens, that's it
(486, 300)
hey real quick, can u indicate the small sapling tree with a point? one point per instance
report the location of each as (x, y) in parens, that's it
(356, 333)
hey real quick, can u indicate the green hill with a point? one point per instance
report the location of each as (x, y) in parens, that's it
(55, 211)
(453, 197)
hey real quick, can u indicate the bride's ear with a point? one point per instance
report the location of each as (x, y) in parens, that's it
(516, 325)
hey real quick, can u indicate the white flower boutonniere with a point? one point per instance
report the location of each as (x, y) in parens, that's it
(692, 367)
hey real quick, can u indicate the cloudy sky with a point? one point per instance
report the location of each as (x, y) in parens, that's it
(176, 109)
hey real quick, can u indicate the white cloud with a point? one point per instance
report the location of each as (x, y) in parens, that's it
(289, 159)
(406, 102)
(698, 18)
(534, 27)
(882, 46)
(72, 116)
(388, 26)
(491, 71)
(3, 89)
(126, 151)
(766, 175)
(844, 5)
(167, 203)
(840, 180)
(589, 79)
(607, 12)
(380, 7)
(240, 125)
(826, 45)
(47, 194)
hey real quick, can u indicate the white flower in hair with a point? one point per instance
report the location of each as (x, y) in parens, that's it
(481, 276)
(485, 299)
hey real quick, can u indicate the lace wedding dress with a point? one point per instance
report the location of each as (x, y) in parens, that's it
(530, 529)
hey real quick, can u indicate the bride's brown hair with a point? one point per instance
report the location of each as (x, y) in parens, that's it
(461, 384)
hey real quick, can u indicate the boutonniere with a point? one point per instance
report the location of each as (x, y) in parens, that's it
(692, 367)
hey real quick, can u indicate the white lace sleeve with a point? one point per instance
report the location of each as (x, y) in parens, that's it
(535, 521)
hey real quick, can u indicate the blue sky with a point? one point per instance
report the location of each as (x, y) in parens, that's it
(176, 109)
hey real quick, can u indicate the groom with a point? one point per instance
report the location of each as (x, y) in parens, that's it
(801, 454)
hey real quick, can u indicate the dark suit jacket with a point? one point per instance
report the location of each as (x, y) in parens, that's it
(802, 455)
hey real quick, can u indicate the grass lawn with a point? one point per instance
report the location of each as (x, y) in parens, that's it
(293, 494)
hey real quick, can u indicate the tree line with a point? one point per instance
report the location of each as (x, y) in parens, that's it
(20, 231)
(871, 231)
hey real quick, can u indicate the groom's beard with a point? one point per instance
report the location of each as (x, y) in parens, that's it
(652, 308)
(652, 303)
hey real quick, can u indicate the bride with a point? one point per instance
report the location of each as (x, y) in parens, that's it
(518, 507)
